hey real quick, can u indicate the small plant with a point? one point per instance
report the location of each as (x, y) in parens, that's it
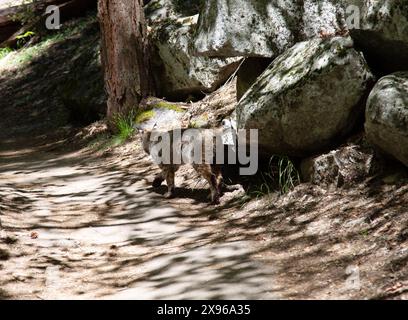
(281, 174)
(4, 52)
(265, 187)
(288, 175)
(124, 127)
(22, 39)
(365, 232)
(193, 124)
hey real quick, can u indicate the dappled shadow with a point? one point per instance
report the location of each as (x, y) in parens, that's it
(4, 295)
(101, 226)
(316, 237)
(43, 86)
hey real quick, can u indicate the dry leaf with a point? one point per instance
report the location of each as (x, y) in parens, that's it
(34, 235)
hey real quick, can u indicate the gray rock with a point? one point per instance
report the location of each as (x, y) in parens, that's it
(266, 28)
(155, 113)
(343, 167)
(263, 28)
(321, 18)
(178, 72)
(309, 97)
(387, 116)
(383, 33)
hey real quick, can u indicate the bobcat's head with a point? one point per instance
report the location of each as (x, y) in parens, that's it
(145, 135)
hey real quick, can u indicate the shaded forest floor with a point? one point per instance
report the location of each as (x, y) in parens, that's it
(80, 222)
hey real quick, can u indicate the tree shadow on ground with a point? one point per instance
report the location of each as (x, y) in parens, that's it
(106, 230)
(41, 93)
(159, 251)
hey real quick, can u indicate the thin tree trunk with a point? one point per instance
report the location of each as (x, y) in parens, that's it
(125, 54)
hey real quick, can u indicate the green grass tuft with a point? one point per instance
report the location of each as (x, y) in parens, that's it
(4, 52)
(281, 175)
(265, 186)
(288, 175)
(124, 127)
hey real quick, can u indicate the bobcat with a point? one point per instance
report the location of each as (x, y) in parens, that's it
(210, 172)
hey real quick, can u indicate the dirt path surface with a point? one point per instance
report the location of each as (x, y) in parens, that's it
(84, 227)
(78, 224)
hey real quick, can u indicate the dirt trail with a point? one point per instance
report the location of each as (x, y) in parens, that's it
(87, 227)
(78, 224)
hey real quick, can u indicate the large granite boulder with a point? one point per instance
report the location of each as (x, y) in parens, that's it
(309, 97)
(178, 72)
(387, 116)
(264, 28)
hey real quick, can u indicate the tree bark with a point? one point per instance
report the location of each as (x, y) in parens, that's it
(125, 54)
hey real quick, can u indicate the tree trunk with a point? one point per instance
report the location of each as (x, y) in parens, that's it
(125, 54)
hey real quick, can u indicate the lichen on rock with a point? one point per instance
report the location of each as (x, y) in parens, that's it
(309, 97)
(263, 28)
(387, 116)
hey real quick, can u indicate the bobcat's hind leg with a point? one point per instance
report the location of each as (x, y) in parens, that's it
(217, 171)
(205, 171)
